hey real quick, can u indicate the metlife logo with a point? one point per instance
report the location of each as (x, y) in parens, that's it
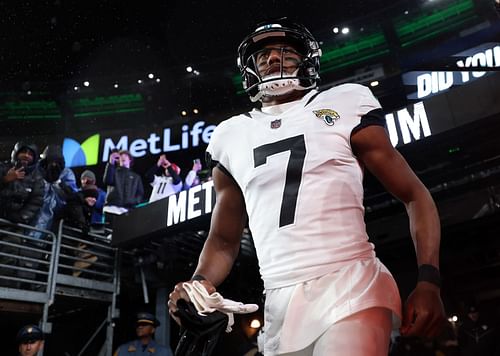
(406, 125)
(87, 153)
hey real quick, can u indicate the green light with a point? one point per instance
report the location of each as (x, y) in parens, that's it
(107, 112)
(429, 25)
(453, 150)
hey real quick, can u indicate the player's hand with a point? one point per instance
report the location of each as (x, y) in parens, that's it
(423, 314)
(180, 293)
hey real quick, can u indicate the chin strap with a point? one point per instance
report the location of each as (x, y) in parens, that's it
(277, 85)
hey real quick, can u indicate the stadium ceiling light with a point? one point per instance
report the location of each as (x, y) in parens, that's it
(345, 30)
(139, 81)
(196, 111)
(189, 69)
(28, 92)
(151, 75)
(157, 80)
(86, 83)
(75, 88)
(335, 30)
(116, 85)
(184, 113)
(374, 83)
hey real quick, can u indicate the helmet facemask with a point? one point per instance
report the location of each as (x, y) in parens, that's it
(279, 78)
(296, 48)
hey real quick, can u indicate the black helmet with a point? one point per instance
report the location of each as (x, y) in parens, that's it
(19, 146)
(298, 36)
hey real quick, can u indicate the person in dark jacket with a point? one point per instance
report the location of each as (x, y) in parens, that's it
(478, 334)
(21, 199)
(21, 186)
(88, 179)
(125, 189)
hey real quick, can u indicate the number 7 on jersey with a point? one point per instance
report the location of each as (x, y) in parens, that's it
(297, 147)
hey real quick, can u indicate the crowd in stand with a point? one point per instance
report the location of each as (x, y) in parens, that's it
(39, 189)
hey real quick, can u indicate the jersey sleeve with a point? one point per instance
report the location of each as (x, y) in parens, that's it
(369, 110)
(217, 153)
(367, 101)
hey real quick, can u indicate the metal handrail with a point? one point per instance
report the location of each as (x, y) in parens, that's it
(27, 244)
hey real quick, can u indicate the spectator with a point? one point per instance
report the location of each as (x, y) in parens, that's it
(30, 339)
(21, 185)
(146, 324)
(80, 207)
(193, 178)
(21, 197)
(125, 189)
(60, 182)
(88, 181)
(477, 335)
(165, 179)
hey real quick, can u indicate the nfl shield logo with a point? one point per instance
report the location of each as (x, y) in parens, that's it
(276, 124)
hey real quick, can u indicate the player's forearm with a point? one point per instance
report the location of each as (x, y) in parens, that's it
(425, 229)
(217, 259)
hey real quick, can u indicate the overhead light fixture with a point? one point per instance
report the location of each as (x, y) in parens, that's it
(75, 88)
(195, 72)
(345, 30)
(189, 69)
(151, 75)
(86, 83)
(116, 85)
(28, 92)
(184, 113)
(139, 81)
(374, 83)
(196, 111)
(335, 30)
(157, 80)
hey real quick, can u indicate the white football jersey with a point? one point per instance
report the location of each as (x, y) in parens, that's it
(301, 182)
(163, 187)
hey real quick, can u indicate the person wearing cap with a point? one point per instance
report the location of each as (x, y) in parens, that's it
(30, 340)
(165, 179)
(146, 323)
(88, 181)
(478, 333)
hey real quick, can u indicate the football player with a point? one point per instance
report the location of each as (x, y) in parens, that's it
(295, 166)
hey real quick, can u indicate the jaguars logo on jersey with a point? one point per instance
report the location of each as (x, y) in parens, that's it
(327, 115)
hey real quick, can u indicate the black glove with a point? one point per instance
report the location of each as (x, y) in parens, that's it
(199, 334)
